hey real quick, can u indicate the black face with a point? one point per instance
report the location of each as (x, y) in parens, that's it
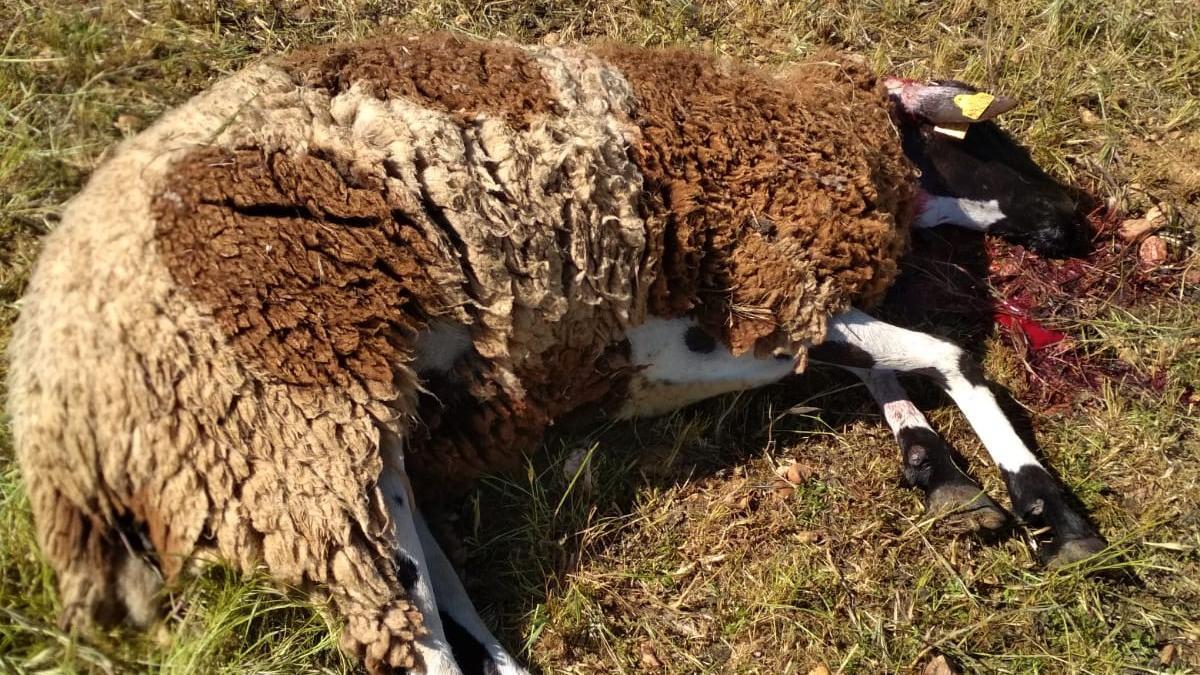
(1045, 221)
(1040, 213)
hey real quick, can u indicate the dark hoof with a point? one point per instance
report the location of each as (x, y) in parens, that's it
(968, 506)
(1074, 550)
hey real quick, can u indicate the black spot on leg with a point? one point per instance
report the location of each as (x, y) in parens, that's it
(971, 371)
(938, 377)
(406, 571)
(1040, 500)
(966, 367)
(842, 354)
(929, 465)
(927, 460)
(406, 568)
(472, 657)
(698, 340)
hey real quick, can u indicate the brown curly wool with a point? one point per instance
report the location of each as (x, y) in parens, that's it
(440, 70)
(221, 347)
(779, 201)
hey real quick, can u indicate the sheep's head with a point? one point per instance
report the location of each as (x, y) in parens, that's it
(949, 134)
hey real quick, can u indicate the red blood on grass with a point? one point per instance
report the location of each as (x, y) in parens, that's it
(1038, 336)
(1056, 288)
(949, 281)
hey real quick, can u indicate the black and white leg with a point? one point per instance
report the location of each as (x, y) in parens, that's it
(413, 568)
(1036, 496)
(475, 648)
(927, 462)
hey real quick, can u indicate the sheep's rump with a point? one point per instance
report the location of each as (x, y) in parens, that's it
(223, 337)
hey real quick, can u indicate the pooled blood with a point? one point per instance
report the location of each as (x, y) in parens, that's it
(951, 274)
(1038, 336)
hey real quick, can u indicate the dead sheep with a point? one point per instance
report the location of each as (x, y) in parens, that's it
(354, 274)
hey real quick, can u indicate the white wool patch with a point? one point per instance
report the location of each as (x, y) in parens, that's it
(671, 375)
(973, 214)
(545, 221)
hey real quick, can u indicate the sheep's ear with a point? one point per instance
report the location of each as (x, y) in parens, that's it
(948, 102)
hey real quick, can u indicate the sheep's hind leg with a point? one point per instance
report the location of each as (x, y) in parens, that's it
(860, 340)
(103, 577)
(927, 462)
(413, 569)
(475, 648)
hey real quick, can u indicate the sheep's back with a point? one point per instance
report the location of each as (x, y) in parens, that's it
(428, 181)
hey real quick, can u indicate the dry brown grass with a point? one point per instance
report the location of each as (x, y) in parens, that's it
(679, 553)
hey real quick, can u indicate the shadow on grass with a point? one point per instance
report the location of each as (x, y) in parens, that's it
(526, 537)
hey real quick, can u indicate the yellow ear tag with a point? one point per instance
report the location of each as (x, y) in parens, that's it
(973, 105)
(958, 131)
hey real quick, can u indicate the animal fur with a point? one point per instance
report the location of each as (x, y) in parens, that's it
(219, 348)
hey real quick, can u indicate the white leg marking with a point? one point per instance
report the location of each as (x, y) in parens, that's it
(1036, 496)
(898, 410)
(903, 415)
(433, 648)
(972, 214)
(454, 601)
(896, 348)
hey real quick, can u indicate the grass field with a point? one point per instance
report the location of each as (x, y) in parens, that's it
(670, 546)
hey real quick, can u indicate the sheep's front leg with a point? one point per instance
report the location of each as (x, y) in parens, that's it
(476, 649)
(859, 340)
(927, 462)
(414, 573)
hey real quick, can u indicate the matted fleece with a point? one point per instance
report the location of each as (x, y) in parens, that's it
(779, 201)
(223, 336)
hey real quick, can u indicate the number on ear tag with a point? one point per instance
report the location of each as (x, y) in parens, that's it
(973, 105)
